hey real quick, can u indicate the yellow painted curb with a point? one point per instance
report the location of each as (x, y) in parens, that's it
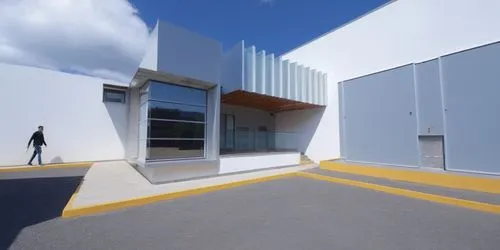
(70, 211)
(448, 180)
(479, 206)
(45, 167)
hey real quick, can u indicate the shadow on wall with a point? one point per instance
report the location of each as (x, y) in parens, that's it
(304, 123)
(57, 159)
(119, 116)
(27, 202)
(310, 125)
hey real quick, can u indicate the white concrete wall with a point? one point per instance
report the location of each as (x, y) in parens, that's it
(150, 58)
(233, 68)
(242, 162)
(188, 54)
(78, 125)
(132, 146)
(212, 125)
(305, 123)
(402, 32)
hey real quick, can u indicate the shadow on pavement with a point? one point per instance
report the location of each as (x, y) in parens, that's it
(26, 202)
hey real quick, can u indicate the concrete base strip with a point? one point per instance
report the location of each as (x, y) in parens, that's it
(448, 180)
(45, 167)
(479, 206)
(70, 211)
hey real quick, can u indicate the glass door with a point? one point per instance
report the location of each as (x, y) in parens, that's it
(229, 138)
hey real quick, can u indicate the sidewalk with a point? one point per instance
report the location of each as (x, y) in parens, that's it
(114, 185)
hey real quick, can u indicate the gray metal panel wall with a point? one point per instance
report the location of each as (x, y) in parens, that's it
(430, 106)
(380, 118)
(471, 86)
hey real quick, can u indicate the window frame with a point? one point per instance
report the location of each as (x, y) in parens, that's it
(108, 88)
(149, 119)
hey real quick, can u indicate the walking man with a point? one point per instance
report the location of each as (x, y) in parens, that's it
(38, 141)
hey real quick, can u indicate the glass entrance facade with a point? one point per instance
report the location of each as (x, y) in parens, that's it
(175, 117)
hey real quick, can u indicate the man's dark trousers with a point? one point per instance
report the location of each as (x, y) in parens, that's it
(38, 151)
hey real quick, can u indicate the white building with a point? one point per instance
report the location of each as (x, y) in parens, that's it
(413, 83)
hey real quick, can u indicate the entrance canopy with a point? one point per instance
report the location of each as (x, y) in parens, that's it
(264, 102)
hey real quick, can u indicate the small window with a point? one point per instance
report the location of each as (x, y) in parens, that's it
(114, 95)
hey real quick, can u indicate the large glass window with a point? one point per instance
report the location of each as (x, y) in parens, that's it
(177, 94)
(176, 130)
(174, 111)
(176, 121)
(171, 149)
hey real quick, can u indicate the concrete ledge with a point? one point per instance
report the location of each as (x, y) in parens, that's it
(448, 180)
(70, 211)
(45, 167)
(166, 171)
(257, 161)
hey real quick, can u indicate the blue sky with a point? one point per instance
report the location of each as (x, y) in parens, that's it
(276, 26)
(108, 38)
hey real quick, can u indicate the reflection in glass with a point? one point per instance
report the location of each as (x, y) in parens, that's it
(176, 93)
(173, 111)
(172, 149)
(174, 129)
(111, 95)
(176, 117)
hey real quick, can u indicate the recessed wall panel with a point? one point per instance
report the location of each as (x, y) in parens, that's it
(471, 87)
(430, 107)
(380, 119)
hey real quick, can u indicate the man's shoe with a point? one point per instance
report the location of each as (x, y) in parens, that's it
(30, 164)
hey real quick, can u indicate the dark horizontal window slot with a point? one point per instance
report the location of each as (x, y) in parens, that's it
(175, 149)
(113, 95)
(173, 129)
(172, 111)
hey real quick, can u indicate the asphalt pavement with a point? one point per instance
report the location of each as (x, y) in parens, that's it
(293, 213)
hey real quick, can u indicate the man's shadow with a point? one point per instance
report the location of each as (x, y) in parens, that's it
(26, 202)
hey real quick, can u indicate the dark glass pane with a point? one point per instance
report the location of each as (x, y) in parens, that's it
(168, 129)
(172, 111)
(111, 95)
(176, 93)
(171, 149)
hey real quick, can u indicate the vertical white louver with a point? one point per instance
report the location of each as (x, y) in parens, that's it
(269, 75)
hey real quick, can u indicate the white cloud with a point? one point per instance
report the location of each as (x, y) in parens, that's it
(103, 38)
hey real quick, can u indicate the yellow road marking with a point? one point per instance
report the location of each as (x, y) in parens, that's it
(70, 211)
(448, 180)
(479, 206)
(45, 167)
